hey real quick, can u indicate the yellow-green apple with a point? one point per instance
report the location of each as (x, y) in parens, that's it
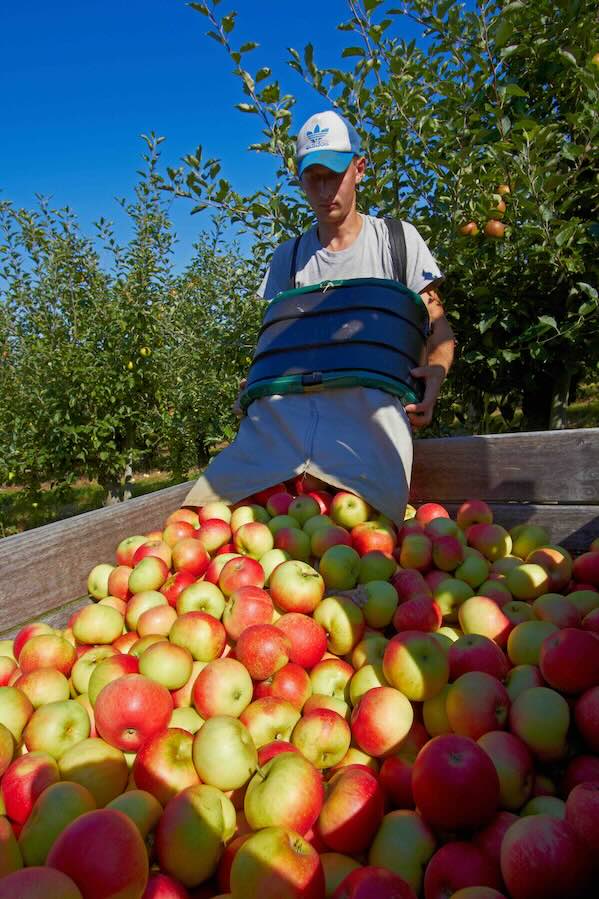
(281, 521)
(103, 853)
(543, 857)
(302, 508)
(381, 603)
(352, 811)
(518, 611)
(557, 609)
(190, 555)
(130, 709)
(186, 514)
(308, 639)
(202, 634)
(240, 571)
(514, 765)
(585, 600)
(521, 677)
(421, 613)
(108, 670)
(11, 858)
(223, 687)
(474, 570)
(139, 603)
(292, 683)
(294, 541)
(332, 677)
(336, 867)
(482, 615)
(296, 587)
(278, 503)
(381, 720)
(324, 701)
(355, 758)
(501, 567)
(528, 537)
(118, 582)
(213, 534)
(369, 651)
(544, 805)
(246, 607)
(263, 649)
(455, 784)
(83, 668)
(24, 780)
(277, 862)
(113, 601)
(269, 718)
(365, 678)
(126, 641)
(495, 590)
(7, 667)
(376, 566)
(253, 539)
(443, 527)
(448, 552)
(100, 768)
(541, 718)
(167, 664)
(25, 633)
(322, 736)
(569, 660)
(7, 751)
(474, 511)
(456, 865)
(349, 510)
(158, 620)
(428, 511)
(271, 560)
(492, 540)
(176, 531)
(186, 718)
(95, 625)
(97, 580)
(416, 663)
(342, 620)
(449, 633)
(403, 844)
(525, 641)
(527, 581)
(141, 807)
(586, 713)
(38, 882)
(201, 596)
(163, 764)
(55, 727)
(45, 685)
(316, 522)
(416, 552)
(288, 792)
(474, 652)
(50, 651)
(449, 595)
(328, 536)
(582, 811)
(395, 774)
(434, 713)
(214, 510)
(557, 562)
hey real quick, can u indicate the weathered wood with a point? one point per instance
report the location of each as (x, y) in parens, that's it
(537, 467)
(44, 568)
(55, 617)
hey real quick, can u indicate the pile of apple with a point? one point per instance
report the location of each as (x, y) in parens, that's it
(292, 698)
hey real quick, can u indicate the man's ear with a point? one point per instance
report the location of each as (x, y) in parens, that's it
(360, 164)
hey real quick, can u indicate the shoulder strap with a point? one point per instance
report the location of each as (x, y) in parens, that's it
(397, 240)
(293, 267)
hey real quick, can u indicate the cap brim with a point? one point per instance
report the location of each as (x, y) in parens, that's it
(336, 160)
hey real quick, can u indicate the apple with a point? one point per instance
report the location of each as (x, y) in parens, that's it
(263, 649)
(291, 682)
(586, 714)
(322, 736)
(557, 562)
(253, 539)
(54, 809)
(569, 660)
(97, 582)
(214, 510)
(240, 571)
(371, 536)
(527, 581)
(140, 603)
(46, 685)
(365, 678)
(176, 531)
(49, 651)
(525, 641)
(190, 555)
(514, 765)
(201, 634)
(141, 807)
(557, 609)
(455, 784)
(201, 596)
(476, 704)
(161, 886)
(303, 507)
(167, 664)
(544, 805)
(416, 552)
(95, 624)
(336, 867)
(269, 718)
(481, 615)
(342, 620)
(158, 621)
(324, 701)
(369, 651)
(421, 613)
(96, 766)
(246, 607)
(352, 811)
(434, 713)
(223, 687)
(278, 503)
(381, 603)
(585, 600)
(543, 857)
(286, 792)
(277, 863)
(428, 511)
(294, 541)
(474, 570)
(416, 664)
(104, 854)
(109, 669)
(541, 718)
(55, 727)
(449, 595)
(24, 780)
(38, 882)
(270, 750)
(308, 639)
(213, 534)
(130, 709)
(296, 587)
(381, 720)
(370, 881)
(325, 537)
(585, 568)
(184, 514)
(456, 865)
(118, 582)
(403, 844)
(495, 590)
(349, 510)
(271, 560)
(521, 677)
(582, 809)
(376, 566)
(474, 511)
(355, 758)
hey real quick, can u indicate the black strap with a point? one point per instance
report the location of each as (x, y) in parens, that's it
(397, 241)
(293, 267)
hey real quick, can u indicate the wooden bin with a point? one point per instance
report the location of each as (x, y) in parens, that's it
(547, 477)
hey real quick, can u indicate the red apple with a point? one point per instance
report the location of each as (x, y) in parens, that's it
(24, 780)
(373, 883)
(370, 536)
(131, 709)
(247, 606)
(381, 720)
(190, 555)
(38, 882)
(291, 683)
(308, 639)
(287, 792)
(296, 587)
(176, 584)
(352, 811)
(223, 687)
(474, 511)
(263, 649)
(428, 511)
(514, 765)
(586, 713)
(582, 813)
(241, 571)
(474, 652)
(456, 865)
(569, 660)
(277, 864)
(476, 704)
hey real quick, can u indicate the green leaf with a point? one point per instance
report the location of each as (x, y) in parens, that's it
(567, 56)
(228, 22)
(514, 90)
(246, 107)
(549, 321)
(352, 51)
(263, 73)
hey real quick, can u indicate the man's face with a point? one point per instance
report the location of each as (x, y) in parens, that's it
(332, 195)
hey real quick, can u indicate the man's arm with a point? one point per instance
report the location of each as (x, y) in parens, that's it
(440, 350)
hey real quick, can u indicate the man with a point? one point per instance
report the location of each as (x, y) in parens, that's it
(355, 438)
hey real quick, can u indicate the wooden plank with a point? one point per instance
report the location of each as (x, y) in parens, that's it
(536, 467)
(44, 568)
(55, 617)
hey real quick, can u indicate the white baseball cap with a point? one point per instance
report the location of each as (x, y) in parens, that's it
(326, 139)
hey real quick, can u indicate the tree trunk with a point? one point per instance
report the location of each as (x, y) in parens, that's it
(129, 481)
(560, 399)
(112, 492)
(536, 403)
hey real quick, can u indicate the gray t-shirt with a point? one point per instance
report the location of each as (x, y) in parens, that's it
(369, 256)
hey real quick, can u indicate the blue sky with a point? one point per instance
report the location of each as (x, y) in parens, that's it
(82, 80)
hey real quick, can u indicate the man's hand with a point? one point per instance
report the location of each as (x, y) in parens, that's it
(421, 414)
(237, 410)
